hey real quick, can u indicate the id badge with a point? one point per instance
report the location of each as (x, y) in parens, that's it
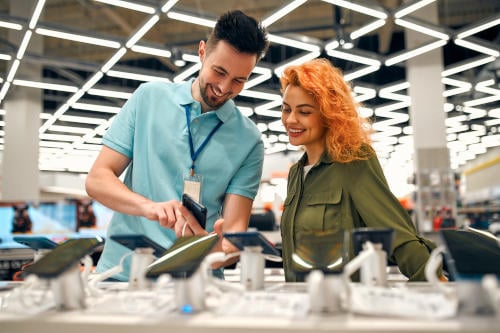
(192, 186)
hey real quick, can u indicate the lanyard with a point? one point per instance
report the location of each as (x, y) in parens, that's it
(195, 153)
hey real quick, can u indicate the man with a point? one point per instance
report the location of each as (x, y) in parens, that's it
(185, 137)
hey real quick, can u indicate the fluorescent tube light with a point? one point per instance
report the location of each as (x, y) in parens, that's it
(36, 13)
(415, 52)
(411, 24)
(130, 5)
(479, 26)
(24, 44)
(293, 43)
(6, 57)
(168, 5)
(114, 59)
(476, 47)
(411, 7)
(151, 51)
(10, 25)
(359, 8)
(136, 76)
(78, 38)
(366, 29)
(45, 85)
(191, 19)
(13, 70)
(109, 93)
(360, 73)
(465, 65)
(282, 12)
(142, 30)
(96, 107)
(354, 57)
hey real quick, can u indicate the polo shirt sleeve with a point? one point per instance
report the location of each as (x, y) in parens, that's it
(120, 135)
(246, 180)
(379, 207)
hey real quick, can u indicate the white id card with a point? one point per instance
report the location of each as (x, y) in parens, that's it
(192, 186)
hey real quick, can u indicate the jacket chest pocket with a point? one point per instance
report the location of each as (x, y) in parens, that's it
(322, 211)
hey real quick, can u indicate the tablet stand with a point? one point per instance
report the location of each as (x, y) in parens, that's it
(252, 268)
(371, 262)
(67, 289)
(190, 293)
(141, 258)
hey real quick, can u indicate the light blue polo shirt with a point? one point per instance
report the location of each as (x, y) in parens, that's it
(151, 129)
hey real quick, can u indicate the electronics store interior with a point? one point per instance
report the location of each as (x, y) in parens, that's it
(246, 231)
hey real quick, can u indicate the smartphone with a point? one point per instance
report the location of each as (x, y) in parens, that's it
(197, 209)
(184, 257)
(252, 238)
(133, 241)
(382, 236)
(63, 257)
(36, 242)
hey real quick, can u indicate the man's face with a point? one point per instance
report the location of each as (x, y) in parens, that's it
(224, 72)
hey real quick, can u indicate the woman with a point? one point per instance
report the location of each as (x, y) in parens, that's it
(338, 184)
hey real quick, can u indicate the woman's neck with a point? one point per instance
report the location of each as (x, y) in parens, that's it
(314, 154)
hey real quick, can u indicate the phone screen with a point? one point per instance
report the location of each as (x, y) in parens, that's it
(36, 242)
(184, 257)
(198, 210)
(139, 241)
(63, 257)
(252, 238)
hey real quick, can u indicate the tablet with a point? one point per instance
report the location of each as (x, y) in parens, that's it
(184, 257)
(63, 257)
(471, 253)
(252, 238)
(134, 241)
(36, 242)
(382, 236)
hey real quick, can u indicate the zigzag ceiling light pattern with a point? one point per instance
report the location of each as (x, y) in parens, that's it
(143, 40)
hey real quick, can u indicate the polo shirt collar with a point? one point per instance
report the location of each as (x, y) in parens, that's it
(224, 113)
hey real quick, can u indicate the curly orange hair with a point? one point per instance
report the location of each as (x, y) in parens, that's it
(347, 135)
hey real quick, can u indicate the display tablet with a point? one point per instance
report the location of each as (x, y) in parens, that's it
(134, 241)
(252, 238)
(64, 256)
(197, 209)
(36, 242)
(184, 257)
(382, 236)
(471, 253)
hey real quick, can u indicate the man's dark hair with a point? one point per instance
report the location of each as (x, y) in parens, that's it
(241, 31)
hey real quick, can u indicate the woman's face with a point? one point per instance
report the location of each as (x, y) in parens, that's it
(301, 117)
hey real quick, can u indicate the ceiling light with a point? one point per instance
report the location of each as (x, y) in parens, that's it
(191, 19)
(293, 43)
(24, 44)
(360, 73)
(296, 61)
(136, 76)
(96, 107)
(10, 25)
(371, 11)
(187, 72)
(283, 11)
(129, 5)
(36, 14)
(411, 7)
(142, 30)
(477, 47)
(168, 5)
(354, 57)
(479, 26)
(6, 57)
(403, 56)
(467, 64)
(45, 85)
(109, 93)
(151, 51)
(421, 27)
(78, 38)
(13, 70)
(114, 59)
(367, 29)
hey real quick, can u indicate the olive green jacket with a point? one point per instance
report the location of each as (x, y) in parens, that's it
(342, 196)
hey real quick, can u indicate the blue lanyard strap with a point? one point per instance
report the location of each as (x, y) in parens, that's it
(195, 153)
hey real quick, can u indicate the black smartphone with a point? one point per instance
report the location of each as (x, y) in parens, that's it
(184, 257)
(133, 241)
(36, 242)
(252, 238)
(197, 209)
(382, 236)
(63, 257)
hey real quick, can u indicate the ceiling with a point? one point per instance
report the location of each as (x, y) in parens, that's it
(84, 83)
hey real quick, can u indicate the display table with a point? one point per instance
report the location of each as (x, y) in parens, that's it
(118, 309)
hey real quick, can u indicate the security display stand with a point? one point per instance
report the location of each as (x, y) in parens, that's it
(190, 293)
(326, 292)
(141, 258)
(373, 271)
(252, 267)
(68, 290)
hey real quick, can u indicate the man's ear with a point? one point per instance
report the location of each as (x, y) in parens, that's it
(202, 50)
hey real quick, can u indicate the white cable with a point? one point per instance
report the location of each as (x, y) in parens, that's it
(435, 260)
(93, 280)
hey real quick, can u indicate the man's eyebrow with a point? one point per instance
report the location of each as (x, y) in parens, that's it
(225, 71)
